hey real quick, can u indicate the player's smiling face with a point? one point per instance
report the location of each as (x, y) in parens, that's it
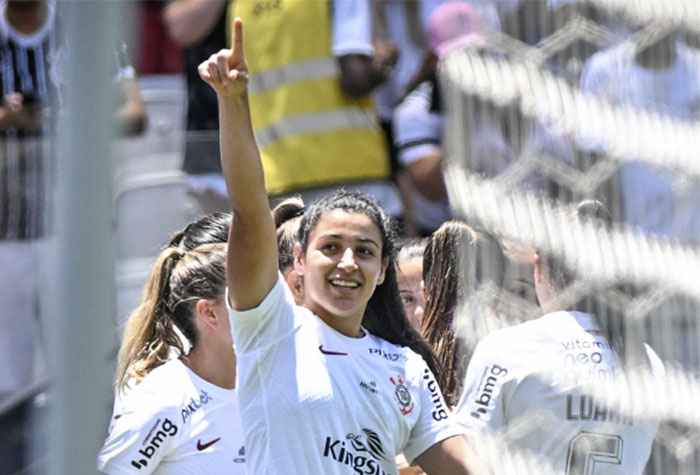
(341, 268)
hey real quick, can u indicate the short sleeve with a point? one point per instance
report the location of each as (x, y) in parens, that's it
(139, 439)
(417, 129)
(435, 422)
(352, 27)
(481, 405)
(265, 324)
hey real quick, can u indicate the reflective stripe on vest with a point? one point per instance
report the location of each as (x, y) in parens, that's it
(310, 132)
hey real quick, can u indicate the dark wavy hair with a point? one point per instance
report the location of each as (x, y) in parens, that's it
(209, 229)
(287, 217)
(384, 315)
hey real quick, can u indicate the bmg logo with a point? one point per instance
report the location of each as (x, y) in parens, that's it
(167, 429)
(489, 380)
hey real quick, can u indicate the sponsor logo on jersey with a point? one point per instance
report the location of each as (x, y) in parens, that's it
(241, 455)
(361, 452)
(154, 441)
(329, 352)
(489, 381)
(194, 405)
(439, 408)
(204, 446)
(402, 395)
(585, 345)
(388, 356)
(371, 387)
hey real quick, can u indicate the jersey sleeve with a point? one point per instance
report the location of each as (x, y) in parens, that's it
(435, 422)
(139, 439)
(482, 403)
(265, 324)
(417, 130)
(352, 27)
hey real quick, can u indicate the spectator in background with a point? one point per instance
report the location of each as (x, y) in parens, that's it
(410, 279)
(310, 97)
(418, 121)
(199, 28)
(154, 51)
(32, 51)
(397, 24)
(657, 74)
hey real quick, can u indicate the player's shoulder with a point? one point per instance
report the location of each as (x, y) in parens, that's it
(164, 386)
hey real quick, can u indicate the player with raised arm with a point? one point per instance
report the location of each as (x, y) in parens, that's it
(342, 383)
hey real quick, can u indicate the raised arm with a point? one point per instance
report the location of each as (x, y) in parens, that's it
(252, 247)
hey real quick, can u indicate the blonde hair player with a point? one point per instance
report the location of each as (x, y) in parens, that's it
(176, 411)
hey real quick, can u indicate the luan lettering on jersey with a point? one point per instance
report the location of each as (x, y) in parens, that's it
(194, 405)
(439, 408)
(360, 456)
(167, 429)
(586, 408)
(487, 386)
(388, 356)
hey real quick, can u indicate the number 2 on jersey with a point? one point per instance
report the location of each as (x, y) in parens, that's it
(587, 449)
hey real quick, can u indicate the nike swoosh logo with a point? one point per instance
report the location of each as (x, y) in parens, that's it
(334, 353)
(201, 446)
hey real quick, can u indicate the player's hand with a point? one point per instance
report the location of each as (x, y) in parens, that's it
(226, 71)
(386, 56)
(20, 116)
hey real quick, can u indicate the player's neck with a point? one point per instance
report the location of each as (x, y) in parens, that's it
(216, 367)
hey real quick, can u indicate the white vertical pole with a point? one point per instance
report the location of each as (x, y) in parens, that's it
(80, 315)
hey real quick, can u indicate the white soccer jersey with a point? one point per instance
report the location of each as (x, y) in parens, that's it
(314, 401)
(174, 423)
(528, 386)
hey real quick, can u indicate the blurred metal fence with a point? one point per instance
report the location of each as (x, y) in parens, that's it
(597, 100)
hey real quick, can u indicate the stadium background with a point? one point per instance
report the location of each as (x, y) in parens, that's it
(97, 261)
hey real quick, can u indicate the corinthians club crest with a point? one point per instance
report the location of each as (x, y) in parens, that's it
(402, 395)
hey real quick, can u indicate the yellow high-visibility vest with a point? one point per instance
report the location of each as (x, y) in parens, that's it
(310, 133)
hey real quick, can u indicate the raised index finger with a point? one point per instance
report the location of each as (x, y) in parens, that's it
(237, 40)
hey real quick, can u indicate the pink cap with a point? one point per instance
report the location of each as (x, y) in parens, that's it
(453, 24)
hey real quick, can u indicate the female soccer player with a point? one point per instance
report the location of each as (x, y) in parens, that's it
(177, 411)
(343, 383)
(457, 261)
(410, 279)
(554, 390)
(287, 217)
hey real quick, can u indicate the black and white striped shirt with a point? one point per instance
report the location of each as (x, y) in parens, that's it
(29, 64)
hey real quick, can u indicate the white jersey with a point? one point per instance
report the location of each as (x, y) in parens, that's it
(314, 401)
(653, 200)
(529, 386)
(174, 423)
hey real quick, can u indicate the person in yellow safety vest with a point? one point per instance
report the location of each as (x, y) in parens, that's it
(312, 67)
